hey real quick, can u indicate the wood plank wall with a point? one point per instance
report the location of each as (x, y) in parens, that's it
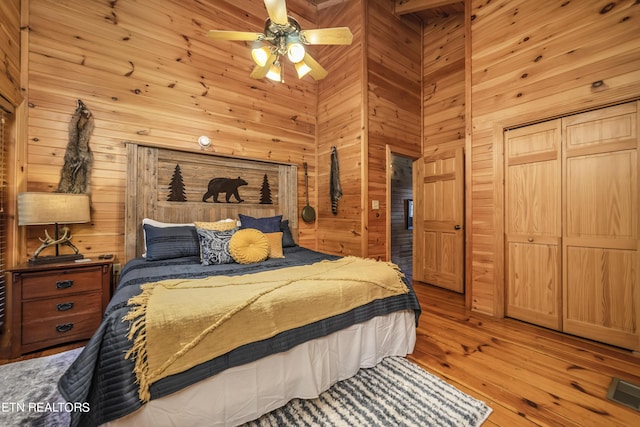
(443, 100)
(149, 74)
(340, 124)
(372, 103)
(532, 61)
(10, 50)
(394, 78)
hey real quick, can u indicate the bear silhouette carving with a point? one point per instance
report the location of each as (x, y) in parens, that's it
(229, 186)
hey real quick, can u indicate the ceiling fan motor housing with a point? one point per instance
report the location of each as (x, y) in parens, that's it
(282, 35)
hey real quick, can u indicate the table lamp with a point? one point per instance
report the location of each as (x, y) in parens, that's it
(53, 208)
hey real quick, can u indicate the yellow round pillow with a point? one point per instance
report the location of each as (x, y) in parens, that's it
(249, 245)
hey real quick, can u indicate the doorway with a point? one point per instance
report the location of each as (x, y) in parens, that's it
(402, 213)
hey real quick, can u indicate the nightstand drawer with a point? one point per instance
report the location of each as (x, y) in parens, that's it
(57, 303)
(60, 307)
(38, 285)
(77, 326)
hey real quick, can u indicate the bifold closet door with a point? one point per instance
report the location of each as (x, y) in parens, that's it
(532, 224)
(600, 216)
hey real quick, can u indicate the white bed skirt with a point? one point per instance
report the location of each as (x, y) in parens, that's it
(246, 392)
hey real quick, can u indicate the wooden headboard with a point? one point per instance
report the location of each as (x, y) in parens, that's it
(169, 185)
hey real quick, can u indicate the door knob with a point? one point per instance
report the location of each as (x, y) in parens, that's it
(457, 227)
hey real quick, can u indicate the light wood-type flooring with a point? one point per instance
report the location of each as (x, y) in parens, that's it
(529, 375)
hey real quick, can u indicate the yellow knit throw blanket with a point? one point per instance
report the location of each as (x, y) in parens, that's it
(178, 324)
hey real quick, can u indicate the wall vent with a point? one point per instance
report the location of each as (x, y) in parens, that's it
(625, 393)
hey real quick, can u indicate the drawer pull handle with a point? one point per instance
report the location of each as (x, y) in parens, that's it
(64, 306)
(64, 284)
(64, 327)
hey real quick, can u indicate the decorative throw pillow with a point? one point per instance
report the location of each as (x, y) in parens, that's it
(214, 246)
(266, 225)
(225, 224)
(170, 242)
(159, 224)
(275, 244)
(249, 245)
(287, 237)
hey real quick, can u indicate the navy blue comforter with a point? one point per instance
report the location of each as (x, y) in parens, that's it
(103, 378)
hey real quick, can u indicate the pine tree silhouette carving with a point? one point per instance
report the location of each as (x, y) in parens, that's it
(265, 192)
(176, 187)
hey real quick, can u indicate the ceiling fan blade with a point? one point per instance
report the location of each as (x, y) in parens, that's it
(337, 35)
(277, 10)
(234, 35)
(260, 72)
(317, 71)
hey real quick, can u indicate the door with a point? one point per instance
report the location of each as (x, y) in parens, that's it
(600, 244)
(438, 219)
(533, 224)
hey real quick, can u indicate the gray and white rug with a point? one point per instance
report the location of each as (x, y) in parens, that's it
(394, 393)
(29, 391)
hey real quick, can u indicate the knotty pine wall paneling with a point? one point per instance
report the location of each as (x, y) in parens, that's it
(532, 61)
(10, 51)
(443, 101)
(341, 98)
(373, 102)
(149, 74)
(394, 78)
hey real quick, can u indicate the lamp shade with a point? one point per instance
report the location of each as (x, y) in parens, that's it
(275, 72)
(52, 208)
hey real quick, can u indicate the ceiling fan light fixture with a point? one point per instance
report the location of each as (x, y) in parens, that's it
(302, 69)
(284, 36)
(261, 55)
(275, 72)
(295, 52)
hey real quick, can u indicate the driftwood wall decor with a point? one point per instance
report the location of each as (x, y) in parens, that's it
(76, 171)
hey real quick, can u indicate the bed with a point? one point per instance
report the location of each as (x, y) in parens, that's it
(229, 379)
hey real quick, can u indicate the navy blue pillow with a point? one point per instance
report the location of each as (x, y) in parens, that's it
(266, 225)
(287, 237)
(171, 242)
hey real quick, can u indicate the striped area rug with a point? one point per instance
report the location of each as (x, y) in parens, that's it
(396, 392)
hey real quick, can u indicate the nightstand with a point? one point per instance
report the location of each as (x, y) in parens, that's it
(57, 303)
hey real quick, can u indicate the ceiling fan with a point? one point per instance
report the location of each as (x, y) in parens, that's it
(285, 38)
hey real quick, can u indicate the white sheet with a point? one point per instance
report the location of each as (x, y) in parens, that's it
(245, 392)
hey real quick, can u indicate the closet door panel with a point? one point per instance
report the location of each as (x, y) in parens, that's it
(533, 199)
(601, 294)
(602, 195)
(600, 243)
(532, 224)
(534, 288)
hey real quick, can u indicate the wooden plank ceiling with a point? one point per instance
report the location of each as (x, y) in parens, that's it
(428, 9)
(425, 9)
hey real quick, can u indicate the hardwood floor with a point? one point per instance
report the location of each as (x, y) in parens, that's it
(529, 375)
